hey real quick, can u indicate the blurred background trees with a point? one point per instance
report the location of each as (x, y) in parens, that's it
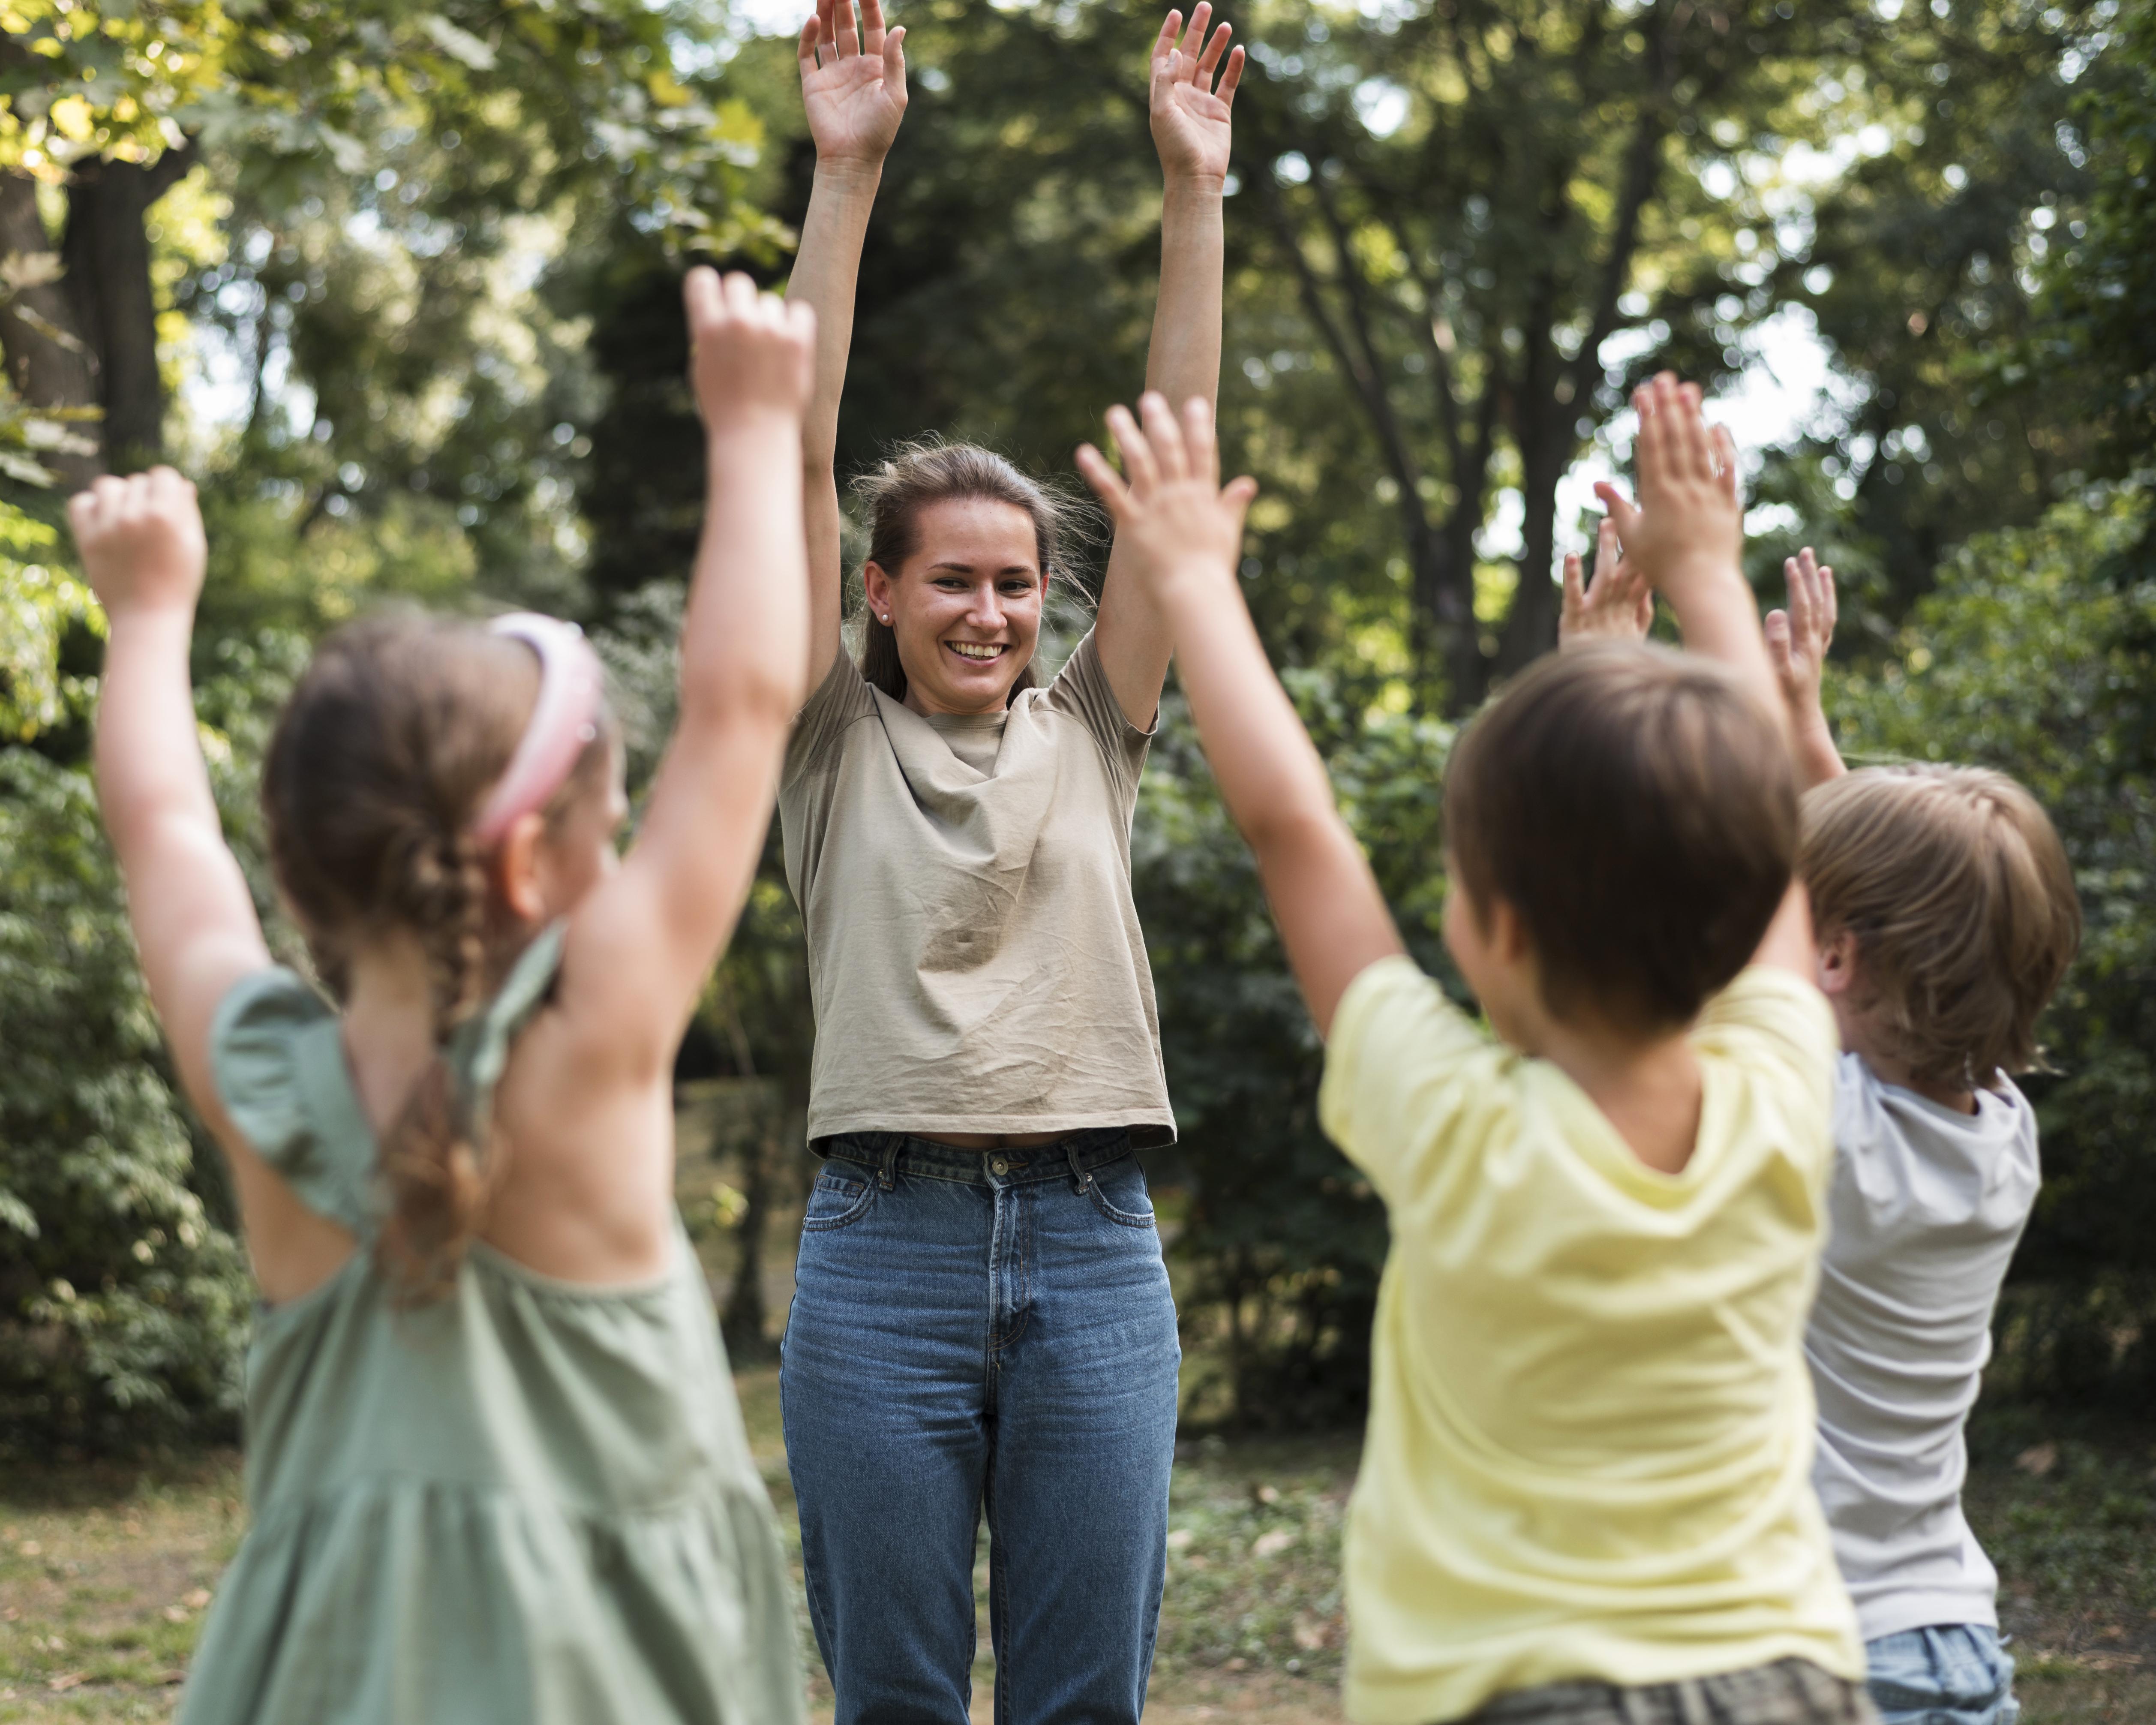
(398, 285)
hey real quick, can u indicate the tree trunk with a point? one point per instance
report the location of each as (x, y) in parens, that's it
(1531, 625)
(107, 250)
(47, 361)
(741, 1325)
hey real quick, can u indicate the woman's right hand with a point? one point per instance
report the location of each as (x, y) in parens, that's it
(853, 82)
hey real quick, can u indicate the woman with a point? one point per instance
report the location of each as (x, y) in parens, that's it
(981, 1319)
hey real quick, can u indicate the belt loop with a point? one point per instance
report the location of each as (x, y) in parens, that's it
(1081, 1174)
(890, 1164)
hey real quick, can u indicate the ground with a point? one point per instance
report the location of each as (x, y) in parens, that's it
(105, 1572)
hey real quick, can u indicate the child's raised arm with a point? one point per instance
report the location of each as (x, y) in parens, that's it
(142, 548)
(640, 946)
(1617, 605)
(1797, 640)
(1181, 536)
(1687, 534)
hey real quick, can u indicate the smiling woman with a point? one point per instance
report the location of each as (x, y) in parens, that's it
(981, 1317)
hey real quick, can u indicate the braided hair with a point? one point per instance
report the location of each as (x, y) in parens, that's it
(375, 770)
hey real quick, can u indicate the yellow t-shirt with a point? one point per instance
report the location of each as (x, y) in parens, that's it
(1590, 1439)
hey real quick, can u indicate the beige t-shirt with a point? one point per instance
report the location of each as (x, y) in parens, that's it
(974, 954)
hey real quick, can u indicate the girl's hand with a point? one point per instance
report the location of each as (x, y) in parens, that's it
(1174, 519)
(142, 541)
(853, 83)
(1619, 606)
(1798, 637)
(1190, 124)
(751, 355)
(1689, 523)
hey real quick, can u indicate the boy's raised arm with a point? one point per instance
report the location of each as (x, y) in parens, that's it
(1182, 537)
(1797, 640)
(1686, 535)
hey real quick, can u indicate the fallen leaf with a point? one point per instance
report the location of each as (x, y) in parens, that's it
(197, 1599)
(67, 1681)
(1266, 1494)
(2039, 1458)
(176, 1614)
(31, 1549)
(1267, 1545)
(1180, 1539)
(1309, 1632)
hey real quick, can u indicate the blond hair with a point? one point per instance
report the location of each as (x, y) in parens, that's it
(1961, 900)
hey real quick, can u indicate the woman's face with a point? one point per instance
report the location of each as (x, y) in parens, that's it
(966, 607)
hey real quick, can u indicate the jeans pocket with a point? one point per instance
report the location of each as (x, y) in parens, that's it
(836, 1201)
(1118, 1192)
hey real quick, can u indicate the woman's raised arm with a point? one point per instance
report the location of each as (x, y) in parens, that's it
(853, 86)
(1194, 90)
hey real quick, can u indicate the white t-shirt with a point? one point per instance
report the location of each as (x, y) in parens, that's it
(1925, 1210)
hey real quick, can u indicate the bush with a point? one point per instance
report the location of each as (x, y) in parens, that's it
(1283, 1242)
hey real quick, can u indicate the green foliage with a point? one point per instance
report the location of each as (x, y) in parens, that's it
(122, 1303)
(1283, 1240)
(2037, 655)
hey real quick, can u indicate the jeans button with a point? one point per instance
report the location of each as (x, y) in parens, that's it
(999, 1166)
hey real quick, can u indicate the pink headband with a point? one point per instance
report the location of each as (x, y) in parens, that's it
(564, 721)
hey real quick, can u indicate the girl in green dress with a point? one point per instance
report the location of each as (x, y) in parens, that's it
(494, 1465)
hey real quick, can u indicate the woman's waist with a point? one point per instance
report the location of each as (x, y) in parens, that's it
(1056, 1155)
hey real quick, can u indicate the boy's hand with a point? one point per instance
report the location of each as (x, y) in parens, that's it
(1174, 521)
(1689, 523)
(751, 355)
(1798, 637)
(1619, 606)
(853, 82)
(1797, 641)
(142, 541)
(1190, 124)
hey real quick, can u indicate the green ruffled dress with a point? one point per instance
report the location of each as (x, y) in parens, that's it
(530, 1501)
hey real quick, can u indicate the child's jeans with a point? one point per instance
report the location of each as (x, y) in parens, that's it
(1790, 1691)
(1952, 1674)
(981, 1331)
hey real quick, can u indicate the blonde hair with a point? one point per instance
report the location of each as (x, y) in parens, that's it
(1961, 900)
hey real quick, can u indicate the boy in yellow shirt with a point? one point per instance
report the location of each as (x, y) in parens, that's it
(1585, 1494)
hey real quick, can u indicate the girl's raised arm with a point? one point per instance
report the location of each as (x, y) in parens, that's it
(853, 86)
(142, 548)
(142, 543)
(1194, 90)
(641, 944)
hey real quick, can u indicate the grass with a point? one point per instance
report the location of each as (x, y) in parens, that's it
(105, 1572)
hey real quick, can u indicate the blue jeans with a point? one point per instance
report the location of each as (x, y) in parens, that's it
(1952, 1674)
(981, 1331)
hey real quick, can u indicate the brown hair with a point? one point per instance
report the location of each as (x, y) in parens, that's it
(897, 490)
(397, 730)
(1962, 903)
(1637, 808)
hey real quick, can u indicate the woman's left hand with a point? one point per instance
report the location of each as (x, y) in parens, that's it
(1190, 114)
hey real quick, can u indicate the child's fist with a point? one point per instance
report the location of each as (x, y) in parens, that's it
(1689, 521)
(1619, 606)
(140, 539)
(750, 354)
